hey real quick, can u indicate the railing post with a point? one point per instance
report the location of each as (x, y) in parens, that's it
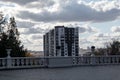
(92, 60)
(8, 58)
(46, 61)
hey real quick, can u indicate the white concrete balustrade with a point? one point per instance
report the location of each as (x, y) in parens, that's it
(97, 60)
(33, 62)
(3, 63)
(21, 62)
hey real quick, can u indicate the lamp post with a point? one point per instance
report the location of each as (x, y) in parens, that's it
(92, 50)
(92, 55)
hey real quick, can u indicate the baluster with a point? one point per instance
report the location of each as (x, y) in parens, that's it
(117, 59)
(35, 61)
(22, 62)
(42, 60)
(39, 61)
(27, 61)
(13, 62)
(95, 60)
(112, 59)
(109, 60)
(76, 60)
(86, 60)
(89, 60)
(31, 61)
(0, 63)
(80, 60)
(101, 59)
(17, 62)
(3, 62)
(106, 60)
(98, 60)
(73, 61)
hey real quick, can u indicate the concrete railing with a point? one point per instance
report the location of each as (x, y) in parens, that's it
(96, 60)
(21, 62)
(33, 62)
(83, 60)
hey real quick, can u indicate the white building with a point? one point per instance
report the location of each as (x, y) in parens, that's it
(61, 41)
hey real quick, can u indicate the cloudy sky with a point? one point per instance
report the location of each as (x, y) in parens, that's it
(98, 20)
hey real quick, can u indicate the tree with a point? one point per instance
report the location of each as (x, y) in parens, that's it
(3, 41)
(113, 48)
(100, 51)
(10, 39)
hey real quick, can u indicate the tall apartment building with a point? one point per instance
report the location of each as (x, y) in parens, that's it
(61, 41)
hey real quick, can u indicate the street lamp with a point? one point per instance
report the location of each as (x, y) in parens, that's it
(92, 50)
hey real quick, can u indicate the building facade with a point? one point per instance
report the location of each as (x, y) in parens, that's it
(61, 41)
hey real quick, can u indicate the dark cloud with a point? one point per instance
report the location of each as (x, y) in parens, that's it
(32, 3)
(20, 2)
(37, 36)
(32, 30)
(24, 24)
(40, 4)
(83, 28)
(72, 12)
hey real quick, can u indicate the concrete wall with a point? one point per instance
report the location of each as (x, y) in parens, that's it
(60, 62)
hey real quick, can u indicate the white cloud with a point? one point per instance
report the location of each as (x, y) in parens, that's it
(73, 11)
(35, 17)
(115, 29)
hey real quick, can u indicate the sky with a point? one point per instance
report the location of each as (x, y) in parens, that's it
(98, 20)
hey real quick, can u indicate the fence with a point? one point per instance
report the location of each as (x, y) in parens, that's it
(33, 62)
